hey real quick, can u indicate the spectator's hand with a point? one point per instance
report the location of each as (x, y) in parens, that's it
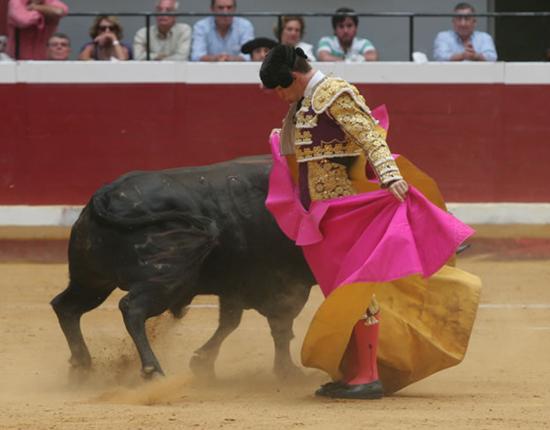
(470, 53)
(106, 38)
(235, 58)
(160, 57)
(399, 189)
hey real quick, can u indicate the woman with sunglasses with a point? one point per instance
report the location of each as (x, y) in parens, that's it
(106, 45)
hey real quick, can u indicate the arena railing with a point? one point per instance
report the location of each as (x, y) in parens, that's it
(411, 16)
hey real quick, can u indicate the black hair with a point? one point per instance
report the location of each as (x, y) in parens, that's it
(342, 14)
(280, 62)
(464, 5)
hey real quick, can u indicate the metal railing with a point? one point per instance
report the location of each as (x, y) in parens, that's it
(411, 16)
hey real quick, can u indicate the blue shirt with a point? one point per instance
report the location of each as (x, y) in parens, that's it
(447, 43)
(207, 41)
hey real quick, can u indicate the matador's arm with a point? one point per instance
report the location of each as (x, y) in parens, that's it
(357, 122)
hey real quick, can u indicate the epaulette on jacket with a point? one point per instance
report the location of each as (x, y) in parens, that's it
(330, 89)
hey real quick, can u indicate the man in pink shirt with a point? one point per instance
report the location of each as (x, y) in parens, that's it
(36, 20)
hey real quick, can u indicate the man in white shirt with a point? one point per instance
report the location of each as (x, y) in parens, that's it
(169, 40)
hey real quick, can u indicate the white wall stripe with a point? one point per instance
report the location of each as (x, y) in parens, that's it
(470, 213)
(515, 306)
(534, 73)
(8, 73)
(247, 73)
(501, 213)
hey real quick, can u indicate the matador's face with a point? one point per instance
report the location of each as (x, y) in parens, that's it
(291, 94)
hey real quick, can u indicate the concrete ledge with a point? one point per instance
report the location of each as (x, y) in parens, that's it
(470, 213)
(383, 72)
(501, 213)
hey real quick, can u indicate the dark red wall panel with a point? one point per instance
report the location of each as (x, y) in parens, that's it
(59, 142)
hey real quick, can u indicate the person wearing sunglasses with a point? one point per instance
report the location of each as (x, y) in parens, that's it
(36, 21)
(106, 44)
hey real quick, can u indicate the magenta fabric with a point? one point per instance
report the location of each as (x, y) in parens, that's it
(34, 29)
(368, 237)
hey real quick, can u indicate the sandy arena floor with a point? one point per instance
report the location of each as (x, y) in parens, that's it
(504, 382)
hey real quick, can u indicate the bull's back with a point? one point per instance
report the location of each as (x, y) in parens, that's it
(222, 204)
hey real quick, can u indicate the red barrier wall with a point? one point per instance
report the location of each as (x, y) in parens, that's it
(59, 142)
(4, 16)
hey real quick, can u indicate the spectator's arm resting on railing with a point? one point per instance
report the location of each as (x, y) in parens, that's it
(442, 49)
(183, 46)
(488, 52)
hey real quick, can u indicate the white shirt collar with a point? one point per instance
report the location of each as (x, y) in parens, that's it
(315, 79)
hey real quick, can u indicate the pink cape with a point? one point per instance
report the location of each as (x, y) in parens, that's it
(368, 237)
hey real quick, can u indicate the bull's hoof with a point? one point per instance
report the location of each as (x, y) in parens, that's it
(79, 373)
(202, 367)
(151, 372)
(288, 371)
(80, 363)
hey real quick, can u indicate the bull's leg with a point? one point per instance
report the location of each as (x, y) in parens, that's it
(136, 307)
(202, 362)
(281, 330)
(69, 306)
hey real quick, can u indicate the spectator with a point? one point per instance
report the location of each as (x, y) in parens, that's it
(219, 38)
(463, 43)
(3, 47)
(258, 48)
(290, 31)
(106, 45)
(36, 21)
(344, 45)
(59, 47)
(169, 40)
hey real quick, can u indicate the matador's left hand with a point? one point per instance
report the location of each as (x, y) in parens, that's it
(399, 189)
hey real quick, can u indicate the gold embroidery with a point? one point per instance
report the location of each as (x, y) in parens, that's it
(364, 132)
(326, 150)
(303, 137)
(305, 121)
(327, 180)
(331, 89)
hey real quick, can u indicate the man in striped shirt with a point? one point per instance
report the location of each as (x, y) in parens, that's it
(344, 45)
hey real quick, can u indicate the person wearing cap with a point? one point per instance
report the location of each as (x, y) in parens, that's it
(258, 48)
(363, 237)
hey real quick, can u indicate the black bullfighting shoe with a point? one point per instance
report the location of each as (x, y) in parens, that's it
(372, 390)
(327, 388)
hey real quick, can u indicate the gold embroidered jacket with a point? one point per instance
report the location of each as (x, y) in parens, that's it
(336, 122)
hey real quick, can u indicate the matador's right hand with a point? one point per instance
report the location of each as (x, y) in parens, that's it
(399, 189)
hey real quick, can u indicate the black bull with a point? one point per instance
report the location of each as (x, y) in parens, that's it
(167, 236)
